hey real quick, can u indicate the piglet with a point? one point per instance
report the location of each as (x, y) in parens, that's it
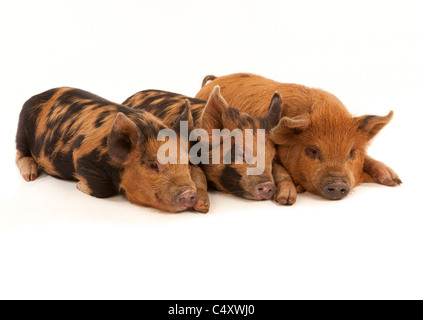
(107, 147)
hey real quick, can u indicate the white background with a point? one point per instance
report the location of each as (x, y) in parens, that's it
(56, 242)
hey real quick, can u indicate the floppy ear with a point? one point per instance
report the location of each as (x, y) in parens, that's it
(215, 111)
(186, 115)
(371, 125)
(273, 116)
(123, 139)
(287, 127)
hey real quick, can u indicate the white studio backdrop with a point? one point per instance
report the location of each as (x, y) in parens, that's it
(56, 242)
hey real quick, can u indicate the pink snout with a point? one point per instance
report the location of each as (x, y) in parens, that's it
(186, 199)
(264, 191)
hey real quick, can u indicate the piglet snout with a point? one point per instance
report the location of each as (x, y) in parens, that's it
(186, 199)
(335, 190)
(264, 191)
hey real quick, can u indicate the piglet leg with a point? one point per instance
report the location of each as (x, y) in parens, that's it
(83, 186)
(286, 192)
(380, 172)
(199, 178)
(27, 166)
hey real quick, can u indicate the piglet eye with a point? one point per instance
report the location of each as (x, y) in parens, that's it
(154, 166)
(352, 153)
(313, 152)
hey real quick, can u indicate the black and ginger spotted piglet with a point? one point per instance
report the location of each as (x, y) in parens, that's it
(107, 147)
(212, 114)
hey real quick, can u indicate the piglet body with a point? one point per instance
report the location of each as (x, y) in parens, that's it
(108, 148)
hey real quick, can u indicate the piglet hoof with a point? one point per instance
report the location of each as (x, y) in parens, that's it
(382, 174)
(203, 203)
(28, 168)
(286, 193)
(83, 187)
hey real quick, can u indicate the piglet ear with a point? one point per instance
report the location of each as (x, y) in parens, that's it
(299, 123)
(215, 110)
(371, 125)
(123, 139)
(287, 128)
(275, 110)
(186, 115)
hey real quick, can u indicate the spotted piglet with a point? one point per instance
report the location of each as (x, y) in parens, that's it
(107, 147)
(213, 113)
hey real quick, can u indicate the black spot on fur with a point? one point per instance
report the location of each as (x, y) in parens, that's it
(102, 179)
(78, 141)
(63, 164)
(50, 143)
(233, 114)
(211, 185)
(104, 141)
(100, 119)
(196, 101)
(230, 179)
(151, 131)
(71, 121)
(38, 144)
(233, 153)
(251, 123)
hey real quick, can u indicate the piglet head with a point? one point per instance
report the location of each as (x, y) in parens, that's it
(232, 171)
(324, 154)
(133, 147)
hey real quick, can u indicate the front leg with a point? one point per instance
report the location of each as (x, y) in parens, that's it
(83, 186)
(286, 192)
(93, 180)
(96, 186)
(380, 173)
(199, 178)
